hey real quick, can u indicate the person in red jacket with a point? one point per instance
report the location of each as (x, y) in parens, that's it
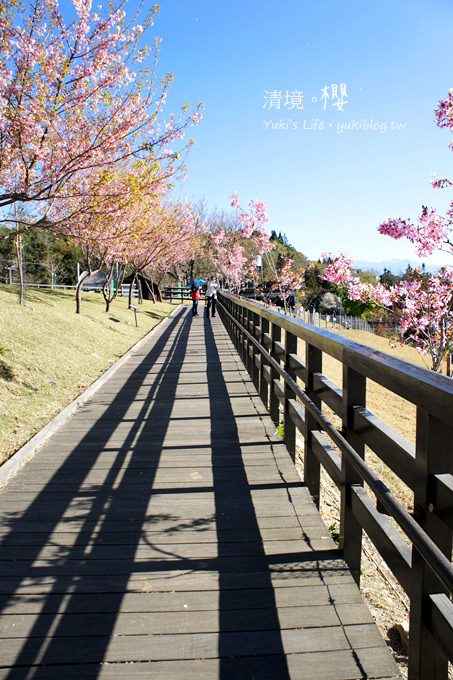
(195, 292)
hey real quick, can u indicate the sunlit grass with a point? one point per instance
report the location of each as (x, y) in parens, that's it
(49, 354)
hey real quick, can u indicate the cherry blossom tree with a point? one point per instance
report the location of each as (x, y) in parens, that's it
(100, 240)
(424, 305)
(432, 231)
(234, 251)
(168, 236)
(74, 97)
(101, 215)
(288, 281)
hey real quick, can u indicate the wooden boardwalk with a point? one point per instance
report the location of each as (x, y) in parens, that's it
(163, 532)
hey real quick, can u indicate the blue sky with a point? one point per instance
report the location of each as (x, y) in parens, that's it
(329, 188)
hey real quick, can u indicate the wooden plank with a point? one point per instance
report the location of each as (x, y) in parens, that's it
(184, 622)
(180, 581)
(182, 647)
(111, 536)
(348, 603)
(164, 532)
(143, 550)
(87, 566)
(169, 524)
(332, 665)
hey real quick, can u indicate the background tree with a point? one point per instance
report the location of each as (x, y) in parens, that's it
(330, 302)
(279, 255)
(167, 237)
(388, 279)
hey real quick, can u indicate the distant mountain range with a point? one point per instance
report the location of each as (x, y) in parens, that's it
(396, 266)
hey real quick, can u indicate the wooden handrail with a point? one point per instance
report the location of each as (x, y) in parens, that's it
(267, 341)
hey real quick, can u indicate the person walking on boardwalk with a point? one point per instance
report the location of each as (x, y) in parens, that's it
(195, 293)
(211, 296)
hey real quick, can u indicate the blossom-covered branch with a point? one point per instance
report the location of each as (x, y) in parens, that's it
(73, 99)
(422, 306)
(229, 251)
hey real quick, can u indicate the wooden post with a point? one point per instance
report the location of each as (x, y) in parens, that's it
(255, 319)
(289, 426)
(354, 394)
(134, 309)
(236, 312)
(276, 333)
(245, 342)
(312, 468)
(264, 385)
(243, 320)
(427, 659)
(248, 344)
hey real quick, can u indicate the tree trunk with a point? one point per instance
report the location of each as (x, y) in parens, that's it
(107, 289)
(107, 298)
(151, 290)
(19, 268)
(134, 276)
(156, 291)
(79, 291)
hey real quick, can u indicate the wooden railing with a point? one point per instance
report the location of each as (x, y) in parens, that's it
(295, 391)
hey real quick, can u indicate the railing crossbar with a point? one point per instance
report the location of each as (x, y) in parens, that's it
(434, 557)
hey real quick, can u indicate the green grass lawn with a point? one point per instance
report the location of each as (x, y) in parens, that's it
(49, 354)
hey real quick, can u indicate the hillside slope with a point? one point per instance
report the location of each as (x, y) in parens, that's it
(49, 355)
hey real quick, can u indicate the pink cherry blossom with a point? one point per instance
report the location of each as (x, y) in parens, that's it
(396, 228)
(235, 201)
(228, 250)
(424, 308)
(338, 271)
(72, 100)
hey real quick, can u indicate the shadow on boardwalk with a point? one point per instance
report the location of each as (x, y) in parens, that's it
(159, 534)
(223, 425)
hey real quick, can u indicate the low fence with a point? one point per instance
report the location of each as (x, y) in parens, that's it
(46, 285)
(295, 390)
(171, 294)
(123, 291)
(125, 288)
(332, 320)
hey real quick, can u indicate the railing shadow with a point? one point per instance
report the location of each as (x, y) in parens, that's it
(247, 644)
(79, 586)
(120, 498)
